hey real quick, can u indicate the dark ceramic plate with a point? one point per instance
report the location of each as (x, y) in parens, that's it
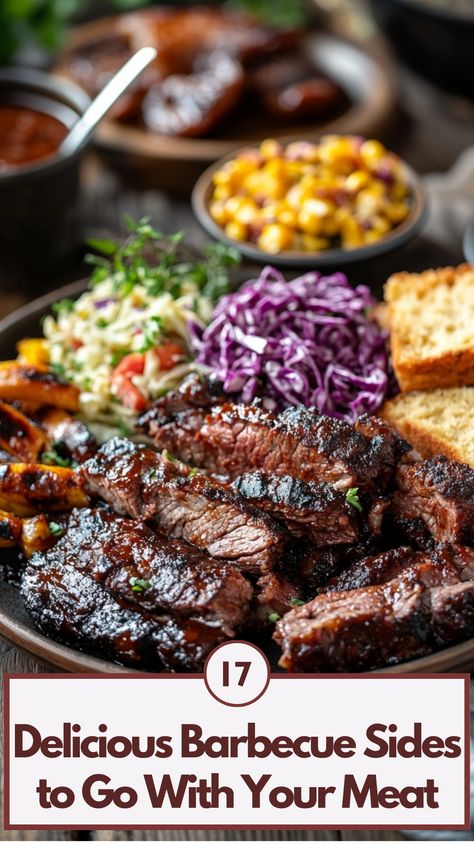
(15, 624)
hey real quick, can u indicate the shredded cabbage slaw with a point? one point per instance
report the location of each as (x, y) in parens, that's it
(307, 341)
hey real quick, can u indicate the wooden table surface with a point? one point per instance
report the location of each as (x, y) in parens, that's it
(432, 130)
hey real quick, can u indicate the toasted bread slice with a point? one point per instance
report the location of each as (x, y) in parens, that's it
(431, 319)
(441, 421)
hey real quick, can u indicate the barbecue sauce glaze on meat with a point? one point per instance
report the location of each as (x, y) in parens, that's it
(438, 496)
(74, 607)
(183, 504)
(429, 605)
(234, 438)
(222, 558)
(313, 509)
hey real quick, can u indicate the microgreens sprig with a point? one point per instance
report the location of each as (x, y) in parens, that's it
(352, 497)
(152, 259)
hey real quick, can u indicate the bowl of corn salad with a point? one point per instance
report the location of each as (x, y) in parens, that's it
(338, 201)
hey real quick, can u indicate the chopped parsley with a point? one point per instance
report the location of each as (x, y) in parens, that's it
(152, 473)
(274, 617)
(193, 472)
(55, 528)
(297, 602)
(102, 322)
(139, 585)
(53, 457)
(352, 497)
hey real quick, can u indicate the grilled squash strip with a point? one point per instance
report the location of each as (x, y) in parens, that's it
(23, 382)
(26, 490)
(19, 436)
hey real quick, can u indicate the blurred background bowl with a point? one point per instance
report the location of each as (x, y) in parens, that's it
(324, 259)
(436, 37)
(38, 200)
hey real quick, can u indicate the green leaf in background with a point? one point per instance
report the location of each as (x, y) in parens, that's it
(44, 22)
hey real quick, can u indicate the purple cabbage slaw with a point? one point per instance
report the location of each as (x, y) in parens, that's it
(306, 341)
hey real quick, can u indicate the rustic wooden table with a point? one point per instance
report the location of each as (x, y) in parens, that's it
(433, 128)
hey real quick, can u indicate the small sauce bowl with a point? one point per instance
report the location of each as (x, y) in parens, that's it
(38, 190)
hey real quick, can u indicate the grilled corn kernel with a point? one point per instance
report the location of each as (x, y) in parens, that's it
(236, 231)
(271, 148)
(275, 238)
(372, 150)
(218, 212)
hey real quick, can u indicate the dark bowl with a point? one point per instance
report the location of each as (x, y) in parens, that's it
(38, 200)
(437, 41)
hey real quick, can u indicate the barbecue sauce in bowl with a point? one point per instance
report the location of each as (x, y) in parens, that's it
(27, 135)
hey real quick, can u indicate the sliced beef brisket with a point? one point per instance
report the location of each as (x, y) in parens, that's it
(184, 504)
(313, 509)
(159, 575)
(424, 608)
(435, 498)
(71, 606)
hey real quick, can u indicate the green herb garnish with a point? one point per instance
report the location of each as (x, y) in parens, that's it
(57, 369)
(139, 585)
(102, 323)
(295, 601)
(55, 528)
(274, 617)
(53, 457)
(152, 333)
(65, 305)
(352, 497)
(152, 474)
(193, 472)
(151, 258)
(170, 457)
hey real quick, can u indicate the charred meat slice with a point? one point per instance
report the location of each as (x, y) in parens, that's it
(71, 606)
(174, 419)
(440, 494)
(137, 566)
(184, 504)
(313, 509)
(69, 436)
(374, 570)
(236, 438)
(426, 607)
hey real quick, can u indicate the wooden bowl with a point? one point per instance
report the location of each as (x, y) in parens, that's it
(364, 72)
(16, 625)
(327, 259)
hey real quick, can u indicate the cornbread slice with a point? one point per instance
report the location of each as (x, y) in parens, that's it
(431, 319)
(441, 421)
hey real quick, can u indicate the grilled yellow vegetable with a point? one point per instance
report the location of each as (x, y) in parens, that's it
(36, 535)
(22, 382)
(33, 351)
(10, 529)
(27, 490)
(19, 436)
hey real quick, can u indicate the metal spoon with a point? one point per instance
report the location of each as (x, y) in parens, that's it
(468, 244)
(103, 102)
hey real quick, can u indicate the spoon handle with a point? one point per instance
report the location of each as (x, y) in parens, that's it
(107, 97)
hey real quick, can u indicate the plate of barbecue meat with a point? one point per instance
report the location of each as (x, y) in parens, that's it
(334, 546)
(239, 81)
